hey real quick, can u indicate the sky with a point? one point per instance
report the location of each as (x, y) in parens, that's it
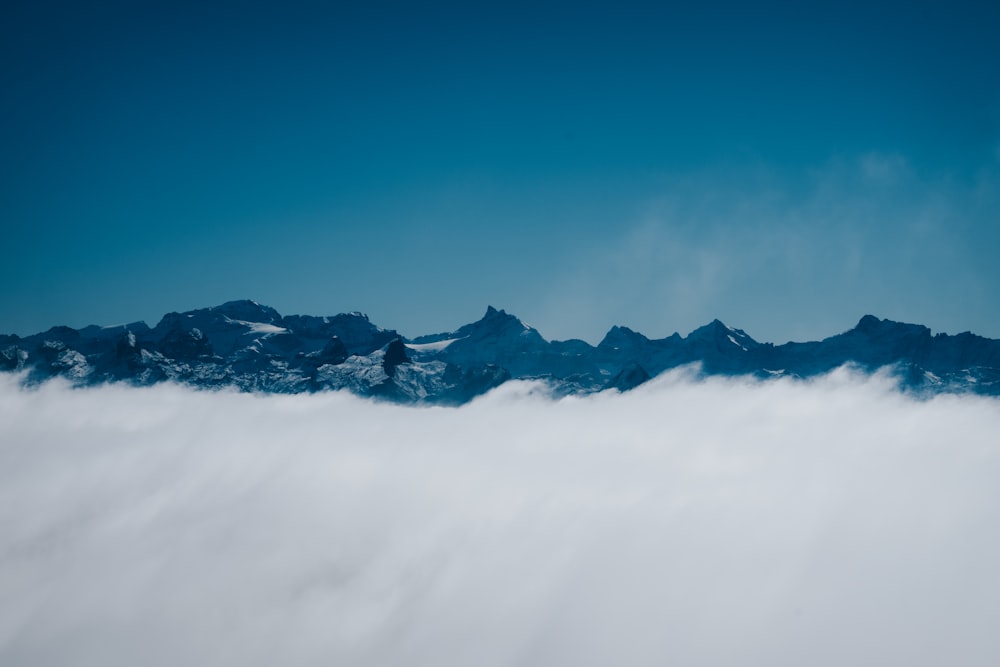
(719, 522)
(784, 167)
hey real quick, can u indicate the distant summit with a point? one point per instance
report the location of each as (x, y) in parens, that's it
(252, 347)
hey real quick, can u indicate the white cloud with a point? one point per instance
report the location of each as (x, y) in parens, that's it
(696, 523)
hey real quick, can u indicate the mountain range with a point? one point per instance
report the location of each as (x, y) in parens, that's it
(252, 347)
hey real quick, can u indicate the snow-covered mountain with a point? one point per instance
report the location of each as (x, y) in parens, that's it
(252, 347)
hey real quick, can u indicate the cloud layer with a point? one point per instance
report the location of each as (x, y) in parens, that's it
(697, 523)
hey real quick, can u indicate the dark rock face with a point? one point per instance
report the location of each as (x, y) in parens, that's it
(334, 352)
(253, 347)
(395, 354)
(628, 378)
(179, 343)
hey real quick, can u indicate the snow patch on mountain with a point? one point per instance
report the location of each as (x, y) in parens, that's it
(436, 346)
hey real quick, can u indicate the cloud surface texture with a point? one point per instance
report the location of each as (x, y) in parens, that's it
(689, 522)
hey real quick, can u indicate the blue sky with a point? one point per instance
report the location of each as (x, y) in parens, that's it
(786, 168)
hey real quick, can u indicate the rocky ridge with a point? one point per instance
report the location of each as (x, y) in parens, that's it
(252, 347)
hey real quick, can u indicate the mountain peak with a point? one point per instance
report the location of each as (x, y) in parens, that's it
(871, 325)
(868, 323)
(494, 313)
(723, 335)
(708, 331)
(247, 310)
(501, 317)
(618, 337)
(713, 327)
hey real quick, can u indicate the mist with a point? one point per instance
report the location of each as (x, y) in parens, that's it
(688, 522)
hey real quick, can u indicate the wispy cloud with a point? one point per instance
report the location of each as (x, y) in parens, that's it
(792, 255)
(720, 522)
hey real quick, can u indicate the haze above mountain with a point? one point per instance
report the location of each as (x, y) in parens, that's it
(252, 347)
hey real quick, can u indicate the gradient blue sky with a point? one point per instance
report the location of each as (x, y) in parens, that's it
(783, 167)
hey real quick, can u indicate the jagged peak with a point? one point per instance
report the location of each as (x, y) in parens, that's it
(619, 334)
(869, 324)
(494, 313)
(712, 329)
(496, 316)
(718, 331)
(495, 322)
(353, 315)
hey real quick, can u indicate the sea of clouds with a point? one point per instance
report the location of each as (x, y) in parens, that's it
(689, 522)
